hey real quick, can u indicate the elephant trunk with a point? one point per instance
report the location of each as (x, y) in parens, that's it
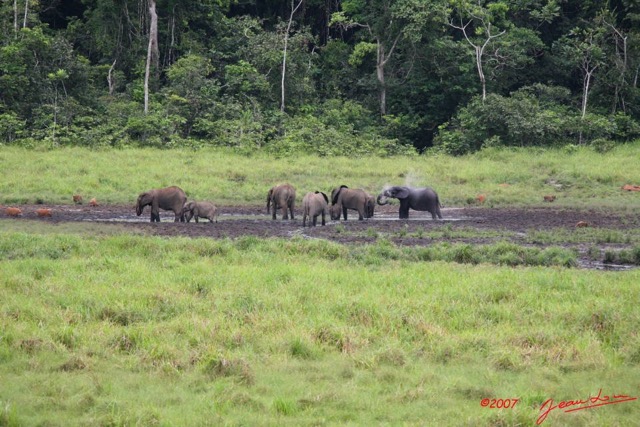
(138, 209)
(382, 200)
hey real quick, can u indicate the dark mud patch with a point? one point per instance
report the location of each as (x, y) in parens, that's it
(460, 225)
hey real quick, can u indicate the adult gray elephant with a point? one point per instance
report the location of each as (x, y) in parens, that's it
(168, 199)
(343, 198)
(418, 199)
(200, 210)
(281, 197)
(313, 205)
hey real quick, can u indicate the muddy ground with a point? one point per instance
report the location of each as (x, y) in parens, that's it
(234, 221)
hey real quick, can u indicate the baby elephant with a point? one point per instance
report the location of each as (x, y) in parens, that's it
(314, 204)
(200, 210)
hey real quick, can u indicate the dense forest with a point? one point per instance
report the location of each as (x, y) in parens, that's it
(328, 77)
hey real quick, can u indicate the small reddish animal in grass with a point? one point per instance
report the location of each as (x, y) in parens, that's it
(13, 212)
(629, 187)
(582, 224)
(43, 212)
(481, 198)
(77, 199)
(549, 198)
(93, 202)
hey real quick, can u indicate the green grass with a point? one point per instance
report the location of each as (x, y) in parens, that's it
(115, 329)
(579, 178)
(101, 327)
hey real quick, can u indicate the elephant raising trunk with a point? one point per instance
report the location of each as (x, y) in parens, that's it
(382, 200)
(419, 199)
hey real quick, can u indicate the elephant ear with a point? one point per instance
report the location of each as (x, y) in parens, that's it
(143, 200)
(401, 192)
(336, 194)
(326, 199)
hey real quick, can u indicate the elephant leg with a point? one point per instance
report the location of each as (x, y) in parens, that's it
(291, 209)
(196, 217)
(274, 210)
(304, 219)
(344, 213)
(404, 209)
(361, 214)
(323, 220)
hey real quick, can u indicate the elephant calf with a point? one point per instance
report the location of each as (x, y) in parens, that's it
(200, 210)
(313, 205)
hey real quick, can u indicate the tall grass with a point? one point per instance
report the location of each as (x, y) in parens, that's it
(580, 177)
(123, 330)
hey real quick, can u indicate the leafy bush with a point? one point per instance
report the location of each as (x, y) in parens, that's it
(532, 116)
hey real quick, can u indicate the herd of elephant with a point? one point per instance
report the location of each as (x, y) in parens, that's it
(282, 197)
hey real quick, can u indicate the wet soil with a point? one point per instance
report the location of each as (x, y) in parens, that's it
(491, 224)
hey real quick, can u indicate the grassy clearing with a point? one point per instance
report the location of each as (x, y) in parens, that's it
(100, 327)
(579, 177)
(116, 329)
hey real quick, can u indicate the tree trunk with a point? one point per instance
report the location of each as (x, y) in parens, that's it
(483, 80)
(26, 12)
(15, 18)
(110, 78)
(152, 51)
(284, 53)
(380, 63)
(382, 58)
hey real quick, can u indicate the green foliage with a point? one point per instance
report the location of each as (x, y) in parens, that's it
(529, 117)
(74, 75)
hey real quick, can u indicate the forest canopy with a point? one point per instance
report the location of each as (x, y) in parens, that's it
(325, 77)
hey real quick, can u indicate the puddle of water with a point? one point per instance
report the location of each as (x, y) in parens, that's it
(427, 217)
(594, 265)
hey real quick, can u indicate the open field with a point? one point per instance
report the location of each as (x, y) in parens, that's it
(116, 329)
(580, 178)
(106, 319)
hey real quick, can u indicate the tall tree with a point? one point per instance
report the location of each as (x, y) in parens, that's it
(582, 48)
(477, 25)
(385, 24)
(153, 53)
(382, 36)
(284, 51)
